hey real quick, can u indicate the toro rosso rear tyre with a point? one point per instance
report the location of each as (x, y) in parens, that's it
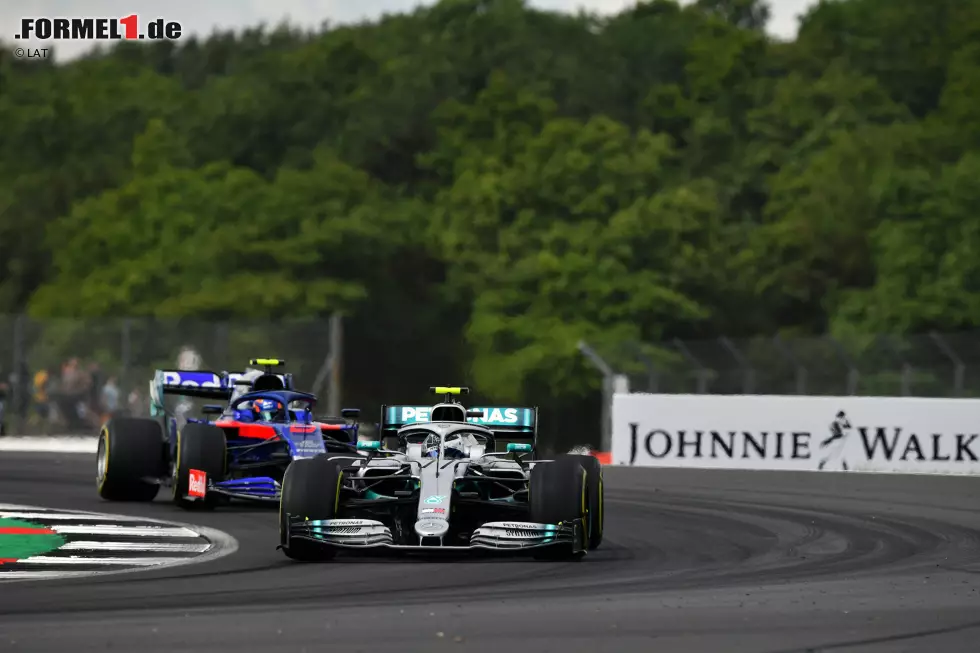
(558, 492)
(200, 459)
(130, 459)
(594, 492)
(311, 490)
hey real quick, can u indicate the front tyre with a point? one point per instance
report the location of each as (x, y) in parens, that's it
(594, 498)
(558, 492)
(129, 459)
(201, 448)
(310, 489)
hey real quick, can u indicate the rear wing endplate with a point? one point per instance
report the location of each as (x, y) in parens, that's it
(506, 422)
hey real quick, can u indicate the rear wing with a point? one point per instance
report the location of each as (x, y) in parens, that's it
(184, 383)
(506, 422)
(206, 385)
(218, 386)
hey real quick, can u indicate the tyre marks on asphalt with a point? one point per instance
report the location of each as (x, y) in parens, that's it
(40, 543)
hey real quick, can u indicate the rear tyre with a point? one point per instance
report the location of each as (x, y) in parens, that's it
(558, 493)
(129, 459)
(200, 447)
(310, 489)
(594, 496)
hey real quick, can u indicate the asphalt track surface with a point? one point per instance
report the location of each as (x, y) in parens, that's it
(694, 562)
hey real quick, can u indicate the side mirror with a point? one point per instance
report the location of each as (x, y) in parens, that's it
(474, 413)
(213, 409)
(243, 382)
(369, 445)
(350, 413)
(518, 447)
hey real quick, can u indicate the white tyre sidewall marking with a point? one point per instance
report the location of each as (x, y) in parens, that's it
(223, 545)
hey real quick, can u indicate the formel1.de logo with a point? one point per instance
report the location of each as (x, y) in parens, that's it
(130, 27)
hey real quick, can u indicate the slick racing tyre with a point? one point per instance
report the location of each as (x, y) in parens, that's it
(594, 493)
(130, 459)
(558, 492)
(200, 448)
(310, 489)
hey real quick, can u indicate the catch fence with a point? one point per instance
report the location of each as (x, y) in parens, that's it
(924, 365)
(60, 375)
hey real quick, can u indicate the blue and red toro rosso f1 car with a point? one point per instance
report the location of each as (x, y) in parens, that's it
(242, 453)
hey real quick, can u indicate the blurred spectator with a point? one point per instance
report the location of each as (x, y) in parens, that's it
(188, 359)
(71, 396)
(72, 381)
(78, 397)
(135, 404)
(110, 399)
(42, 379)
(94, 381)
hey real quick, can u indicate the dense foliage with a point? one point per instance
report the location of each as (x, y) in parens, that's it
(478, 185)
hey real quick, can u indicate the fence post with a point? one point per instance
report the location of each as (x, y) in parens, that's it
(336, 357)
(321, 375)
(653, 374)
(853, 375)
(906, 366)
(700, 370)
(799, 371)
(959, 368)
(608, 388)
(748, 374)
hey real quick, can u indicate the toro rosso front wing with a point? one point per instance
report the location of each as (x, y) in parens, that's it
(256, 488)
(499, 537)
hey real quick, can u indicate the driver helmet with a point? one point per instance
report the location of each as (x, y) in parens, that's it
(453, 446)
(266, 409)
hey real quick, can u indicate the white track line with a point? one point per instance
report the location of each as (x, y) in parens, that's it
(43, 575)
(134, 546)
(139, 531)
(85, 560)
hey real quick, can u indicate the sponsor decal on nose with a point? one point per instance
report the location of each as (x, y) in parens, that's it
(431, 527)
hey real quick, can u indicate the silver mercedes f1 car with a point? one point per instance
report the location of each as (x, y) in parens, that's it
(444, 487)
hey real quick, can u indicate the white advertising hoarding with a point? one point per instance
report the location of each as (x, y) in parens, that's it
(865, 434)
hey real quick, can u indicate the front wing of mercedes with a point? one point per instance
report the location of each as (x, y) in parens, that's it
(509, 536)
